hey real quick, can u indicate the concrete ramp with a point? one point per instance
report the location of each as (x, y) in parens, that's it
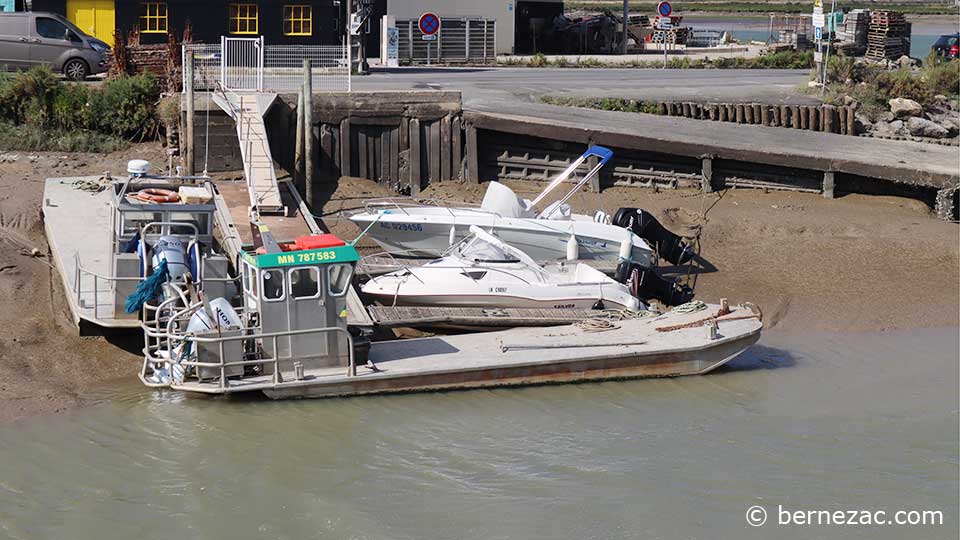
(247, 110)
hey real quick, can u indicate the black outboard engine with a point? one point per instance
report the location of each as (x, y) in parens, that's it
(670, 246)
(645, 283)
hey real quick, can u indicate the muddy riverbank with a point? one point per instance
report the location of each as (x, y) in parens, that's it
(855, 263)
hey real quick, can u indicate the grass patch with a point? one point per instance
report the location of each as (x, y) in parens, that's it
(778, 60)
(30, 139)
(604, 104)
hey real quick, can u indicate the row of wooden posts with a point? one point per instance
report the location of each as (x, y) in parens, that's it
(826, 118)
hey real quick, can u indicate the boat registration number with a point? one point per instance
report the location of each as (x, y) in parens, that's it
(413, 227)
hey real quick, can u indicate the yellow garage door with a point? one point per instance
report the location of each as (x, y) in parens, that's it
(95, 17)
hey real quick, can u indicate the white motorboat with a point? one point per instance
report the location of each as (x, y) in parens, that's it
(484, 271)
(422, 229)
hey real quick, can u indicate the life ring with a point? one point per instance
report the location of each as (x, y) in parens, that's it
(156, 195)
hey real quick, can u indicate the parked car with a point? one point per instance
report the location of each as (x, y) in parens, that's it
(29, 39)
(947, 47)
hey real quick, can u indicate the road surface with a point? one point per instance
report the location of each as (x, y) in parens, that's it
(494, 84)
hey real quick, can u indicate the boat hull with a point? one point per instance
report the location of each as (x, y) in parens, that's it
(543, 240)
(603, 367)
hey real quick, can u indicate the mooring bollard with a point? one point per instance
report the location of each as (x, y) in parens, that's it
(712, 330)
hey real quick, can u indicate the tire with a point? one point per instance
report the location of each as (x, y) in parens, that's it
(76, 69)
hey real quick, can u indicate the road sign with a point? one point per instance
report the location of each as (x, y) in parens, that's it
(819, 21)
(429, 37)
(665, 23)
(817, 4)
(665, 9)
(818, 32)
(429, 24)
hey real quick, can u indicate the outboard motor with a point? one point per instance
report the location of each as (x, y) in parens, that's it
(645, 283)
(171, 249)
(669, 245)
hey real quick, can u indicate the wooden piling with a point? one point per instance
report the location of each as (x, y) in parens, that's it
(764, 115)
(851, 120)
(829, 119)
(446, 163)
(415, 166)
(756, 113)
(814, 124)
(722, 112)
(739, 109)
(663, 109)
(189, 156)
(345, 160)
(298, 146)
(308, 164)
(456, 148)
(473, 155)
(748, 114)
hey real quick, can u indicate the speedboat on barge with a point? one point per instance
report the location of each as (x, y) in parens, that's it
(483, 271)
(555, 233)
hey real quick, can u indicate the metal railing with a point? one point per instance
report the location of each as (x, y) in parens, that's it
(80, 272)
(249, 64)
(460, 40)
(163, 340)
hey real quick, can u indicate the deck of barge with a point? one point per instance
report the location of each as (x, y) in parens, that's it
(634, 349)
(78, 226)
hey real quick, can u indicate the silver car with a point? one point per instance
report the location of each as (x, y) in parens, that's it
(29, 39)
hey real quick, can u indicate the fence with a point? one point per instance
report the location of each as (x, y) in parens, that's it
(249, 64)
(460, 40)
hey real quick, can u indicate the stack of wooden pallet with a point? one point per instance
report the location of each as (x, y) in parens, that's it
(852, 34)
(887, 35)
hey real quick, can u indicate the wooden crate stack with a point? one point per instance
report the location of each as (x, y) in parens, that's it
(886, 36)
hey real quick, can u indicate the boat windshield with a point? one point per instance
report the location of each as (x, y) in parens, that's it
(483, 247)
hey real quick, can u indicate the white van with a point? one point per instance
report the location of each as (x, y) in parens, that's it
(29, 39)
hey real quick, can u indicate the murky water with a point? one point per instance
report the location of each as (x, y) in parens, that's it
(809, 422)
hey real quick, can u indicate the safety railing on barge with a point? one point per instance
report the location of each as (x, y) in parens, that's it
(164, 344)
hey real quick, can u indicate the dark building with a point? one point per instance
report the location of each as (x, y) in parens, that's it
(320, 22)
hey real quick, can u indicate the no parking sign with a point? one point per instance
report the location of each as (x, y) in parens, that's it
(429, 24)
(664, 9)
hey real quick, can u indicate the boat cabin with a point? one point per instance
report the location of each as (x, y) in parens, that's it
(301, 287)
(290, 324)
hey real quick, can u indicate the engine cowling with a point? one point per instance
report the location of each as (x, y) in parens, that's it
(669, 245)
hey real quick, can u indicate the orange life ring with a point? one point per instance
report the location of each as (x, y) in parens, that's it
(157, 195)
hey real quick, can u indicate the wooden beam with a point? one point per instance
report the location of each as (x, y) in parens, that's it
(473, 156)
(415, 166)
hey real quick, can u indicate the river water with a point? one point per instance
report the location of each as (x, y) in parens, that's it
(813, 421)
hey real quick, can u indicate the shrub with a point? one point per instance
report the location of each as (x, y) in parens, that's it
(126, 107)
(71, 108)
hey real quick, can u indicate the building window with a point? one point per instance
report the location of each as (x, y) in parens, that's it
(297, 20)
(153, 17)
(243, 19)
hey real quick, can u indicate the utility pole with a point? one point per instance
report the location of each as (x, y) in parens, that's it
(626, 17)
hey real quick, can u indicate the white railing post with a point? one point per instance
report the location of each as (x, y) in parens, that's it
(223, 61)
(260, 66)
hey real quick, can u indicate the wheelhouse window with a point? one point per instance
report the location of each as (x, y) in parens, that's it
(272, 285)
(305, 282)
(338, 278)
(153, 17)
(297, 20)
(244, 19)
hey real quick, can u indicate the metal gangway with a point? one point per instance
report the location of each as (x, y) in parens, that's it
(244, 77)
(247, 111)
